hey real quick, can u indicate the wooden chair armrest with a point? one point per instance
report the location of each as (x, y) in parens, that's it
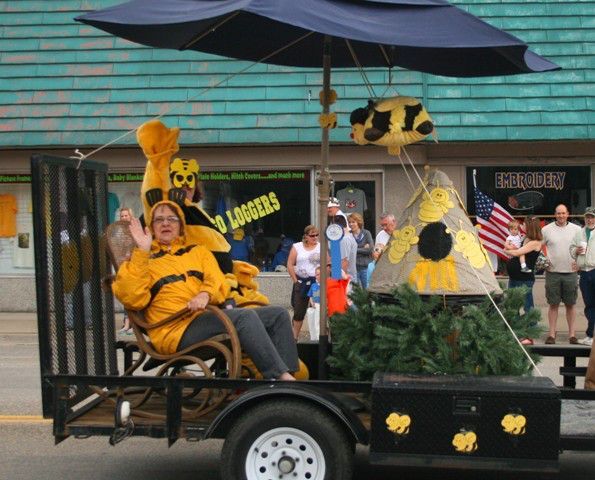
(182, 313)
(149, 326)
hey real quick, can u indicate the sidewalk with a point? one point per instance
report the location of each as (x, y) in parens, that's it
(18, 323)
(26, 323)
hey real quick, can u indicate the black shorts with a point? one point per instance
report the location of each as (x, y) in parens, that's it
(299, 298)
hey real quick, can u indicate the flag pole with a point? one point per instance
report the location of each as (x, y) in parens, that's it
(324, 182)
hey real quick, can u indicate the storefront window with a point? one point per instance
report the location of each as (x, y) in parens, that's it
(532, 190)
(270, 207)
(260, 212)
(16, 225)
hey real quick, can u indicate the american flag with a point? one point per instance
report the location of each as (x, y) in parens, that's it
(494, 223)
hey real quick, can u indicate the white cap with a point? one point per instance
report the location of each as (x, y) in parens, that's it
(333, 202)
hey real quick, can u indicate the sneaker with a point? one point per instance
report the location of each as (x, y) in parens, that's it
(588, 341)
(550, 341)
(526, 270)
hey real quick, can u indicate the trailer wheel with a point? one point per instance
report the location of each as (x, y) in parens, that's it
(287, 439)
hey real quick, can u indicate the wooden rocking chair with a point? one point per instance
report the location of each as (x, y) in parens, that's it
(215, 357)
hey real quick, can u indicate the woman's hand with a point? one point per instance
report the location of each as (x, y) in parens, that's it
(199, 302)
(142, 238)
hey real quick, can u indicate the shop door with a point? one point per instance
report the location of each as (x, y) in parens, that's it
(360, 192)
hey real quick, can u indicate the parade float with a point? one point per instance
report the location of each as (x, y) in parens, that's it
(456, 411)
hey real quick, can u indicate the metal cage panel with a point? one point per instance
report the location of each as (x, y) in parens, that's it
(75, 311)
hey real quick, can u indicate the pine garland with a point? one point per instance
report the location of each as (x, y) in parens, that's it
(411, 334)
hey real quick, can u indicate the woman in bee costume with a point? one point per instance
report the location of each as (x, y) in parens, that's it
(178, 181)
(166, 274)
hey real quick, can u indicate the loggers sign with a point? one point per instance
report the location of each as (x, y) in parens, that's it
(248, 212)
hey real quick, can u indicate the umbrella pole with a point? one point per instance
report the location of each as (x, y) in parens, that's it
(324, 182)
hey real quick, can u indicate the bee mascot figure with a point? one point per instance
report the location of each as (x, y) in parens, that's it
(393, 123)
(177, 180)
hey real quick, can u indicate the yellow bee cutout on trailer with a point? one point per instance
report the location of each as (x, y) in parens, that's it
(514, 424)
(435, 205)
(398, 423)
(465, 442)
(472, 250)
(401, 244)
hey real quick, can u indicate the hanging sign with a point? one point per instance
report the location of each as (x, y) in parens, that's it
(248, 212)
(530, 180)
(15, 178)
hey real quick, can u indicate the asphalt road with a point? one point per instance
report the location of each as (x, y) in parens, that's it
(28, 452)
(27, 449)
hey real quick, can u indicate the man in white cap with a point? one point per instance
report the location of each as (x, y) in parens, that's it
(334, 209)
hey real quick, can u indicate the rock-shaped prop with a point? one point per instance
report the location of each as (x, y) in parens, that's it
(435, 248)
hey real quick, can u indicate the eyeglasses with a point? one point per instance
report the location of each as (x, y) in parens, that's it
(313, 235)
(170, 219)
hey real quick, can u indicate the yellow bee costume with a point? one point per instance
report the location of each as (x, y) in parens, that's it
(161, 282)
(159, 144)
(167, 180)
(164, 279)
(391, 123)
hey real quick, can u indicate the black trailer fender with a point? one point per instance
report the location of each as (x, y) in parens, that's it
(326, 401)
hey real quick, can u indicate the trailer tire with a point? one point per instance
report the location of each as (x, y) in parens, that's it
(288, 439)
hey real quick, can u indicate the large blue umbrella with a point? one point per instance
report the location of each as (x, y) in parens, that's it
(430, 36)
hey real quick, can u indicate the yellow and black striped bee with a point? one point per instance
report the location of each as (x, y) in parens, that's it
(391, 123)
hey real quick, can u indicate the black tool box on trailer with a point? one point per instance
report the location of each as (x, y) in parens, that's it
(461, 421)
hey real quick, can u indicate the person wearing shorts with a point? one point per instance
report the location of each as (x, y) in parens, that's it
(302, 261)
(561, 279)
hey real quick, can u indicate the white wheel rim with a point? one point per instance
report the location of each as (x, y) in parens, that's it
(286, 453)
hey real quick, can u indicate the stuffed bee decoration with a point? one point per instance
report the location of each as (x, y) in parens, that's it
(171, 179)
(391, 123)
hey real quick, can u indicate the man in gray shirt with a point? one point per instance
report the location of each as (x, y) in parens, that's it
(348, 250)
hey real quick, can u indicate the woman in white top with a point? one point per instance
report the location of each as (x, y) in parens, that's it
(302, 261)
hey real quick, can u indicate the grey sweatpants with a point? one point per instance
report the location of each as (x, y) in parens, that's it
(265, 335)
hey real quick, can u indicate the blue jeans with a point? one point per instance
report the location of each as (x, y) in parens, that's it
(362, 276)
(587, 286)
(524, 283)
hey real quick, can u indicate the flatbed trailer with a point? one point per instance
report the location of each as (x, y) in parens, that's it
(271, 429)
(343, 413)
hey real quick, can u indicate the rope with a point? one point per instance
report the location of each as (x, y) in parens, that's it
(80, 156)
(361, 69)
(407, 173)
